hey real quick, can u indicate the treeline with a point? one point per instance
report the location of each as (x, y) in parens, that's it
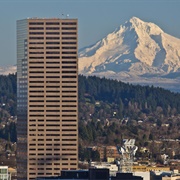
(8, 89)
(130, 100)
(8, 132)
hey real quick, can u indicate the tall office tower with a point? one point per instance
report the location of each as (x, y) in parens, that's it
(47, 97)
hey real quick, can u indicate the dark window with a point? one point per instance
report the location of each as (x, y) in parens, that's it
(52, 47)
(52, 43)
(52, 52)
(69, 43)
(56, 33)
(53, 91)
(69, 38)
(36, 47)
(52, 106)
(70, 96)
(52, 57)
(68, 110)
(36, 86)
(68, 62)
(69, 115)
(68, 28)
(69, 81)
(36, 37)
(53, 62)
(68, 76)
(69, 86)
(36, 72)
(39, 62)
(69, 33)
(68, 47)
(36, 28)
(52, 77)
(69, 67)
(52, 28)
(52, 81)
(36, 81)
(53, 67)
(69, 57)
(69, 91)
(36, 67)
(69, 72)
(40, 57)
(36, 42)
(52, 101)
(69, 23)
(69, 106)
(52, 23)
(36, 33)
(52, 86)
(36, 76)
(68, 52)
(36, 52)
(52, 37)
(36, 23)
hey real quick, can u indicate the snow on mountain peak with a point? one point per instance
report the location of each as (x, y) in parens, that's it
(147, 27)
(135, 47)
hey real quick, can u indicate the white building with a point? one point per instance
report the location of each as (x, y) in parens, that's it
(4, 175)
(144, 175)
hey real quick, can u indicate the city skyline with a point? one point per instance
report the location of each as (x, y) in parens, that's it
(96, 18)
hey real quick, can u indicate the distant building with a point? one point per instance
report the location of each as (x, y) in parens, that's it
(164, 176)
(144, 175)
(4, 174)
(137, 168)
(108, 152)
(92, 174)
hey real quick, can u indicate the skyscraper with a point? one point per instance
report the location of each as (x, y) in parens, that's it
(47, 97)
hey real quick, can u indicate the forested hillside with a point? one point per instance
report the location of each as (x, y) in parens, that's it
(8, 107)
(108, 111)
(7, 96)
(130, 99)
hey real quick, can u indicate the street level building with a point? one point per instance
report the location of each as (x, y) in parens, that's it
(47, 97)
(4, 174)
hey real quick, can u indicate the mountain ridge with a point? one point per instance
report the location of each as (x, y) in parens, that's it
(136, 48)
(135, 52)
(137, 41)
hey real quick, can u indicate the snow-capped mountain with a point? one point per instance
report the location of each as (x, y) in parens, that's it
(137, 51)
(5, 70)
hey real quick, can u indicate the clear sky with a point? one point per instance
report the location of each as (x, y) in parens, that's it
(96, 18)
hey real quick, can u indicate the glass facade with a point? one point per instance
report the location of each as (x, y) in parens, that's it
(22, 32)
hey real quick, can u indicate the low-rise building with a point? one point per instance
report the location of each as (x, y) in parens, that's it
(4, 174)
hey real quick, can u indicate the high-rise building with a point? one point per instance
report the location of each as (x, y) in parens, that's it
(47, 97)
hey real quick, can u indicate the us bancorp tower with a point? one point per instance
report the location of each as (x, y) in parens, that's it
(47, 97)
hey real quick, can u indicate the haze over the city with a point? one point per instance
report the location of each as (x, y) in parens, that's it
(96, 18)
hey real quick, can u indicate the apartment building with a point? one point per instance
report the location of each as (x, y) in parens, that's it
(47, 97)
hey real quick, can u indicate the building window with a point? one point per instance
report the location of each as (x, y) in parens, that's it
(69, 23)
(52, 23)
(36, 23)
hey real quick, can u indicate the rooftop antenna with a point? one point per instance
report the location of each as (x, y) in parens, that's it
(62, 15)
(67, 16)
(127, 152)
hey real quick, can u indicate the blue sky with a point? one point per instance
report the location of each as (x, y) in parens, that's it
(96, 18)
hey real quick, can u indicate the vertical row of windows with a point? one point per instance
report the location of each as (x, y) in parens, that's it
(52, 115)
